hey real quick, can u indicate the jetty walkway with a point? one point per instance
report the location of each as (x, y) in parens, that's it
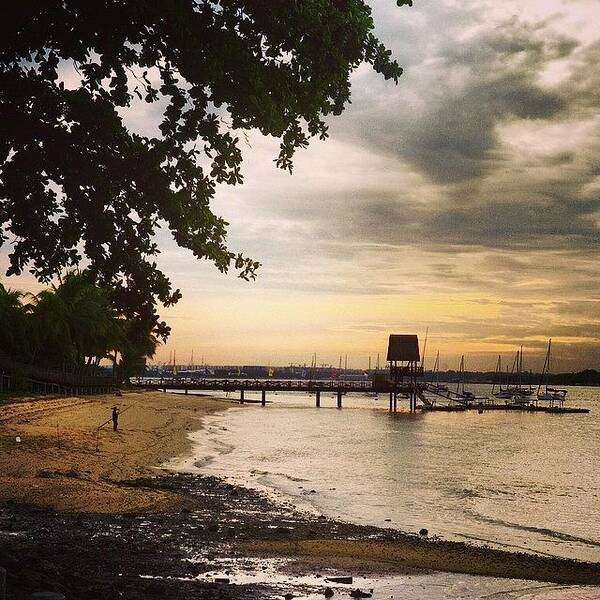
(339, 387)
(424, 391)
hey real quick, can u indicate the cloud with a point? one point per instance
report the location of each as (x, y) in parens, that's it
(466, 198)
(443, 117)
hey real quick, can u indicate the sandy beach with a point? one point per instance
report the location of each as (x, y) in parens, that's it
(71, 484)
(65, 461)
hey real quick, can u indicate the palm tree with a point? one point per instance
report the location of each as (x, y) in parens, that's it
(76, 323)
(72, 326)
(52, 331)
(15, 338)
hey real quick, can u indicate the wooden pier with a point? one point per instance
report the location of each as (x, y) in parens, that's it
(333, 386)
(403, 381)
(422, 391)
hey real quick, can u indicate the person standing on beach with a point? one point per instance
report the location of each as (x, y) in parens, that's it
(115, 417)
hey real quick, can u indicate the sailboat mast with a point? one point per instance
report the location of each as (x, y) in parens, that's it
(549, 362)
(499, 373)
(545, 369)
(424, 348)
(514, 376)
(520, 366)
(460, 381)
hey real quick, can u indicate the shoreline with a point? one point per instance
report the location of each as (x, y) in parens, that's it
(69, 483)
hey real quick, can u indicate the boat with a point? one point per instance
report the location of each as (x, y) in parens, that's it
(462, 395)
(521, 400)
(520, 389)
(549, 394)
(436, 386)
(503, 393)
(553, 394)
(516, 392)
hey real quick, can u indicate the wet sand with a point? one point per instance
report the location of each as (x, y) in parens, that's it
(403, 552)
(101, 494)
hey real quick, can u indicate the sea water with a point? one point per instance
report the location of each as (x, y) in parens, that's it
(517, 480)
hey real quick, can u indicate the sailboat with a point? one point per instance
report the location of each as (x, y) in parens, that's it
(520, 390)
(462, 394)
(435, 384)
(369, 373)
(503, 392)
(550, 394)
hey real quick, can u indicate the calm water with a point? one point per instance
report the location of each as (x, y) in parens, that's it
(513, 479)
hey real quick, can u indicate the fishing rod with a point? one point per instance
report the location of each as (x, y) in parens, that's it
(120, 413)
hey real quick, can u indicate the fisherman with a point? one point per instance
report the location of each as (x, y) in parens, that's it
(115, 417)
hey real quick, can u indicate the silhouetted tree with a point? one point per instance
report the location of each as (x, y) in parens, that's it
(76, 322)
(70, 327)
(15, 326)
(75, 182)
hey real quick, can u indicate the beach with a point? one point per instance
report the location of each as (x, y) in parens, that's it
(96, 513)
(65, 461)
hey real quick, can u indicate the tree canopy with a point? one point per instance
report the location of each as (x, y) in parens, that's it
(76, 184)
(71, 326)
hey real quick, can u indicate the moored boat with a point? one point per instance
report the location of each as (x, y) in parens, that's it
(545, 393)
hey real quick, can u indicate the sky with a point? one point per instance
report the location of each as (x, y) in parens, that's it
(466, 200)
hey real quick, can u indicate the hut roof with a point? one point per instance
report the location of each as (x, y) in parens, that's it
(403, 348)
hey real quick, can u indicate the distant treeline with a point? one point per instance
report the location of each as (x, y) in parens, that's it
(72, 328)
(585, 377)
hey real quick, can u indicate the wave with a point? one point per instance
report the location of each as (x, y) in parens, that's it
(284, 475)
(551, 533)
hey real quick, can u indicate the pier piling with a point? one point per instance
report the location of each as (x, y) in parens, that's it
(241, 396)
(339, 399)
(318, 400)
(263, 399)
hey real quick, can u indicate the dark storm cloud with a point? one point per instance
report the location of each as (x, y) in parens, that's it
(478, 189)
(582, 89)
(554, 221)
(516, 225)
(445, 123)
(587, 309)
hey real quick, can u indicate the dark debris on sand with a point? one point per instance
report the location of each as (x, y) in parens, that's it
(137, 556)
(166, 555)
